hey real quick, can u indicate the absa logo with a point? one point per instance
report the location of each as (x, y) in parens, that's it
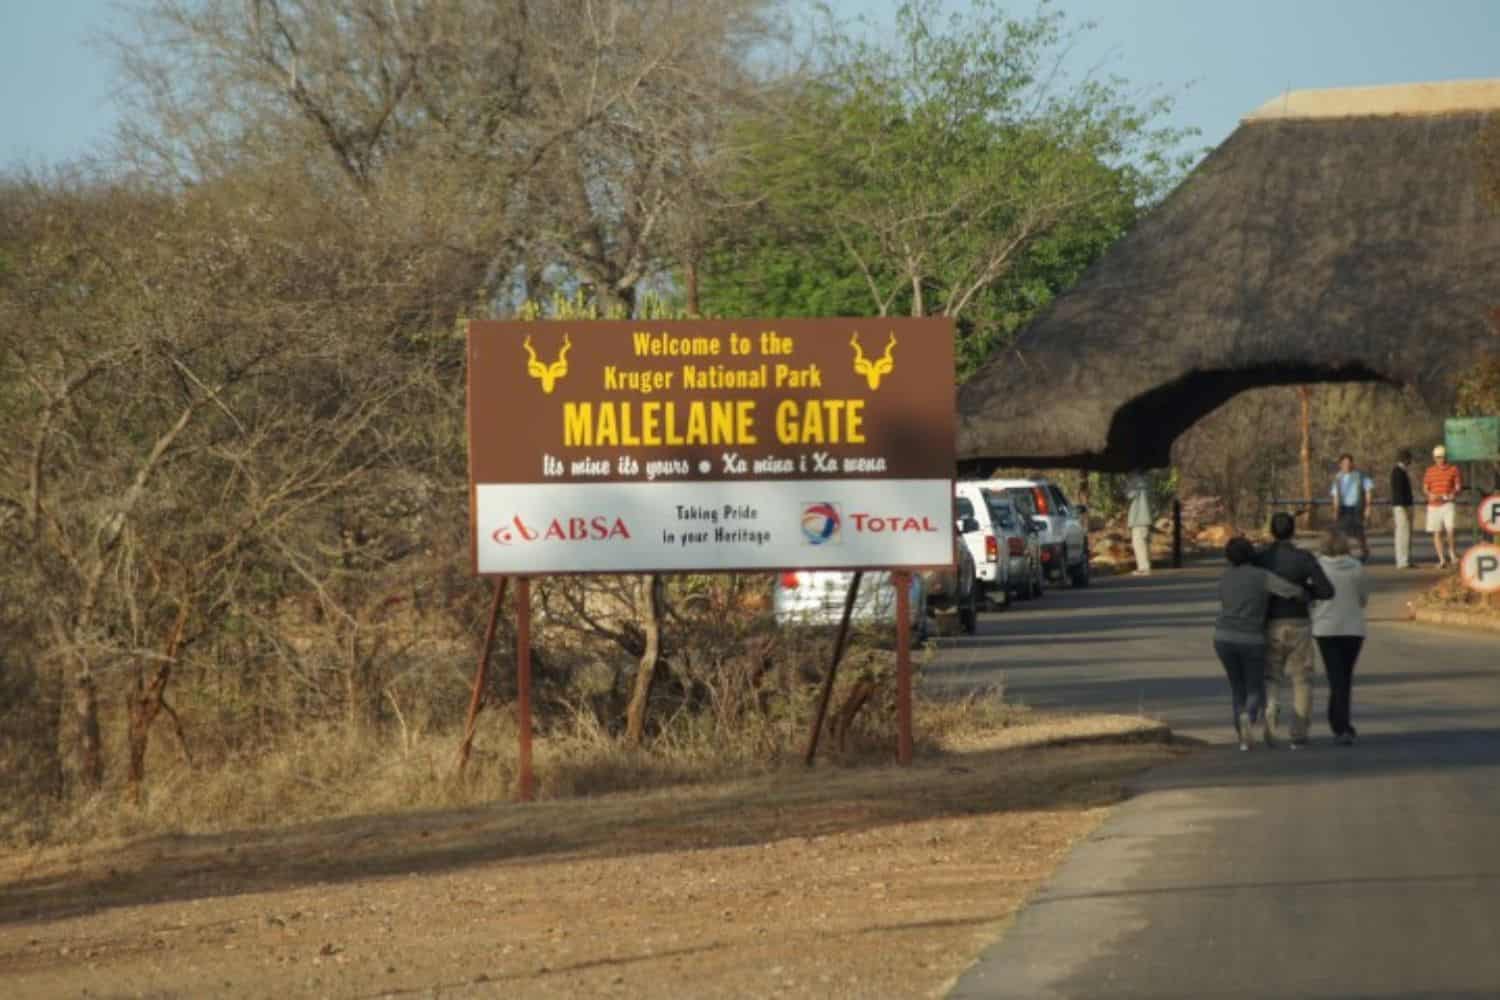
(561, 529)
(820, 523)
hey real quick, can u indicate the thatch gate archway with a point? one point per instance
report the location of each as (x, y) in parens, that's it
(1336, 236)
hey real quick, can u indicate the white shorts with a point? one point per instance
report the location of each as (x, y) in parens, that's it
(1440, 516)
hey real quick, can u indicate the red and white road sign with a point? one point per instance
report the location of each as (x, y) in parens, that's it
(1489, 514)
(1480, 568)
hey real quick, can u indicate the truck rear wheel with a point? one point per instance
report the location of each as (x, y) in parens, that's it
(1079, 574)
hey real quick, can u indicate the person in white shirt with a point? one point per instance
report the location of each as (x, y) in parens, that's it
(1338, 627)
(1138, 490)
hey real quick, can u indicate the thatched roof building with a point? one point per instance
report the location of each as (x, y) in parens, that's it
(1337, 235)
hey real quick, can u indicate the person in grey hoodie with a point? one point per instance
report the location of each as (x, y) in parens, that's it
(1338, 627)
(1240, 631)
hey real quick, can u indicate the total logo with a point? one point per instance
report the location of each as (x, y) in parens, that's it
(561, 529)
(892, 524)
(821, 523)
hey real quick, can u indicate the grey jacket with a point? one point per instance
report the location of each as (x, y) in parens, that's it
(1344, 613)
(1244, 592)
(1139, 491)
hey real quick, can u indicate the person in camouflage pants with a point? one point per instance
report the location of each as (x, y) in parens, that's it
(1289, 643)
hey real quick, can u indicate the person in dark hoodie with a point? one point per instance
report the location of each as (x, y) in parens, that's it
(1289, 643)
(1240, 632)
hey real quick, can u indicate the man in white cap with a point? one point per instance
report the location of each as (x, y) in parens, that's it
(1441, 484)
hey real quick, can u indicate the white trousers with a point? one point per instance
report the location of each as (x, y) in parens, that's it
(1140, 540)
(1402, 517)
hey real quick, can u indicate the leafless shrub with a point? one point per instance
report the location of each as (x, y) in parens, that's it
(1246, 452)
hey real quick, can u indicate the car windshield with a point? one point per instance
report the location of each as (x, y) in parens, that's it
(963, 507)
(1001, 512)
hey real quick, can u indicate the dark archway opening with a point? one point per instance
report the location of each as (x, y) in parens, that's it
(1143, 429)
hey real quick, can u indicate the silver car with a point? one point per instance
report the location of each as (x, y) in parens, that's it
(815, 598)
(1020, 540)
(1064, 535)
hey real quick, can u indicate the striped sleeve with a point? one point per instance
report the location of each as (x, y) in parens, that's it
(1440, 481)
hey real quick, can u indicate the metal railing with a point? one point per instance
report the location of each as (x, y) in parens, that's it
(1469, 496)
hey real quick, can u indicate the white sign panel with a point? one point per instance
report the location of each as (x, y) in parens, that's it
(528, 529)
(1480, 568)
(1489, 514)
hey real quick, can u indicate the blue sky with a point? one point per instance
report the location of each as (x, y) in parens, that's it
(1226, 57)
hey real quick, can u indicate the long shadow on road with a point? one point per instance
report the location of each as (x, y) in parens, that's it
(1381, 755)
(1065, 626)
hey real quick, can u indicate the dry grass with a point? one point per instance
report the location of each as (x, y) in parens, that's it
(844, 881)
(1450, 594)
(1450, 603)
(331, 770)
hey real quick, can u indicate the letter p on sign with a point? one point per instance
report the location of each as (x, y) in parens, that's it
(1489, 514)
(1481, 568)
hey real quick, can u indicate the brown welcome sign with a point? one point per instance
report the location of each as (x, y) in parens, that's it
(624, 445)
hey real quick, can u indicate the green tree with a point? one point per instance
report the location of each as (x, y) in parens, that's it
(946, 173)
(766, 273)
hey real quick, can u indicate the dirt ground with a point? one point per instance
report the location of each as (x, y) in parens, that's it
(842, 882)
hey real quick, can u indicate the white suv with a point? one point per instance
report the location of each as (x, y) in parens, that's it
(991, 568)
(1065, 541)
(1006, 553)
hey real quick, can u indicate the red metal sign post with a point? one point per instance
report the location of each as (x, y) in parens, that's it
(902, 581)
(481, 676)
(525, 787)
(826, 692)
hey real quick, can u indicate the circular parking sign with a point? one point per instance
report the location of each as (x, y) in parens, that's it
(1489, 513)
(1480, 568)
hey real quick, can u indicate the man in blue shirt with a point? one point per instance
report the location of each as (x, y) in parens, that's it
(1353, 492)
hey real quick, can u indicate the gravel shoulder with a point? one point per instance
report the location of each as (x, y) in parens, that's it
(840, 882)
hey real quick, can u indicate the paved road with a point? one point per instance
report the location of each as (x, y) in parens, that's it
(1371, 871)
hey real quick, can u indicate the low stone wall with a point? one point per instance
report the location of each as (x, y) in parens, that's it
(1460, 619)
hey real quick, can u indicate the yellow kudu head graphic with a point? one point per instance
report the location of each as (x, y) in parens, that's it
(548, 374)
(873, 371)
